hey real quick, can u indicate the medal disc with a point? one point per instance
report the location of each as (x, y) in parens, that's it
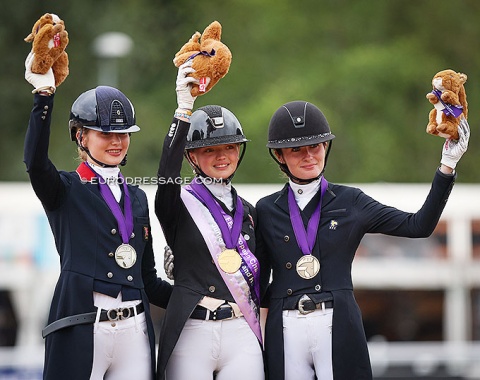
(229, 261)
(125, 256)
(308, 266)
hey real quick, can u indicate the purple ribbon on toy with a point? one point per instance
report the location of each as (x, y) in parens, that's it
(306, 238)
(203, 52)
(449, 109)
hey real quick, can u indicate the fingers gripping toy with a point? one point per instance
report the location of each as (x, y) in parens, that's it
(49, 40)
(450, 102)
(211, 58)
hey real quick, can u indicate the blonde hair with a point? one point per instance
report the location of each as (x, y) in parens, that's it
(81, 154)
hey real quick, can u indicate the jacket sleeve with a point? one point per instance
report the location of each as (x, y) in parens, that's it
(388, 220)
(167, 198)
(44, 177)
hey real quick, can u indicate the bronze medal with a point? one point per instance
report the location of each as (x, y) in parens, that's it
(308, 266)
(229, 261)
(125, 256)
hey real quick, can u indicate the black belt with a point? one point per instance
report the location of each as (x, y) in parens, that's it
(306, 306)
(223, 312)
(117, 314)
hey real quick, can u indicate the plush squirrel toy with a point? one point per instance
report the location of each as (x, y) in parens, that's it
(49, 40)
(450, 101)
(211, 58)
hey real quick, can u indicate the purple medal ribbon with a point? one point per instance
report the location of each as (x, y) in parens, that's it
(449, 109)
(305, 239)
(229, 236)
(125, 218)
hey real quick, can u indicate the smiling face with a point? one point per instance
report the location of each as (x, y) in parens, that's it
(305, 162)
(106, 147)
(219, 161)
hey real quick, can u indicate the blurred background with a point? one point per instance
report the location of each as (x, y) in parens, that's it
(368, 64)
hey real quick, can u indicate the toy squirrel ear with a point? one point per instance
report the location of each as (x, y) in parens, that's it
(212, 31)
(189, 48)
(463, 77)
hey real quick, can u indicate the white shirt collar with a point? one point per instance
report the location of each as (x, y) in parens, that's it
(304, 193)
(220, 190)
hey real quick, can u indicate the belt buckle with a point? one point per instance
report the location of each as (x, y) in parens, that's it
(223, 307)
(121, 313)
(302, 300)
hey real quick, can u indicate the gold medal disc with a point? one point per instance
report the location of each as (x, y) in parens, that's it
(308, 266)
(125, 256)
(229, 261)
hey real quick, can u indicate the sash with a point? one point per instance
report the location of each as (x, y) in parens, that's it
(450, 109)
(244, 283)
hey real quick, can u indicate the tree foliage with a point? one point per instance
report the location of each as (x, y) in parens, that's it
(367, 64)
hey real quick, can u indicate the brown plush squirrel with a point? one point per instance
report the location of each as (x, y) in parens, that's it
(450, 102)
(49, 40)
(211, 58)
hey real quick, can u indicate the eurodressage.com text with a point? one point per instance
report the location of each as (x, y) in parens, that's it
(149, 180)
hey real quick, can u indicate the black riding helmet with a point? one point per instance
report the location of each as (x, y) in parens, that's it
(297, 124)
(103, 109)
(214, 125)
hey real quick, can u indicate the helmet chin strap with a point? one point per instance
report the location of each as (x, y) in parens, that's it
(201, 173)
(300, 181)
(102, 164)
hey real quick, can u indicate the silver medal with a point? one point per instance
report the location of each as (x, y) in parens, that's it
(308, 266)
(125, 256)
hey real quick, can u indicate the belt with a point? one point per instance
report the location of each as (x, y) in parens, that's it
(306, 305)
(222, 312)
(116, 314)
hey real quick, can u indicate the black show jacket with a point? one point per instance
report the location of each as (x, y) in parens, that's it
(347, 214)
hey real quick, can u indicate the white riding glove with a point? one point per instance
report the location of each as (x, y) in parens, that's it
(185, 99)
(453, 150)
(168, 262)
(41, 82)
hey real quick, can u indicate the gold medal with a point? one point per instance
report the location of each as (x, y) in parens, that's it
(229, 261)
(308, 266)
(125, 256)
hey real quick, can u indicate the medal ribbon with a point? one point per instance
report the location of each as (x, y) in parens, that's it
(230, 234)
(125, 218)
(305, 239)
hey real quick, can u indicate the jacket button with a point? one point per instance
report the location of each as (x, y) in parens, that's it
(132, 235)
(289, 292)
(113, 231)
(111, 254)
(130, 278)
(109, 274)
(288, 265)
(318, 288)
(45, 107)
(211, 289)
(246, 237)
(286, 238)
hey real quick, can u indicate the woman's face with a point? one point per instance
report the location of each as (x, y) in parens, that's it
(219, 161)
(305, 162)
(109, 148)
